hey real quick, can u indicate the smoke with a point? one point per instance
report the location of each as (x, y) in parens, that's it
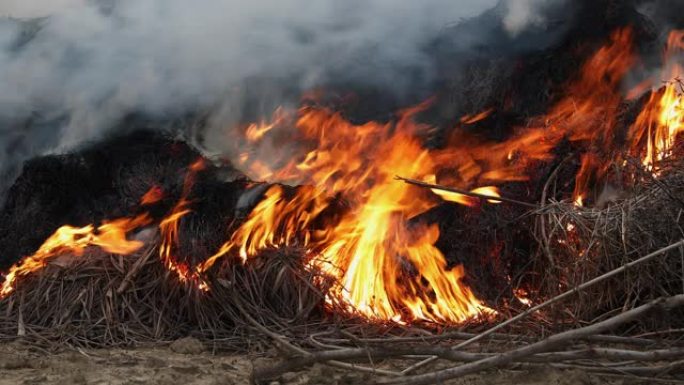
(29, 9)
(71, 70)
(67, 77)
(520, 14)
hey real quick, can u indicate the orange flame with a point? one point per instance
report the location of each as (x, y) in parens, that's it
(662, 119)
(466, 200)
(385, 270)
(470, 119)
(255, 132)
(110, 236)
(152, 196)
(168, 229)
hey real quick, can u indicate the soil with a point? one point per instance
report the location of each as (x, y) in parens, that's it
(187, 362)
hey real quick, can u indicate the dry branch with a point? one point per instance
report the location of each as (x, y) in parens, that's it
(551, 343)
(418, 183)
(552, 301)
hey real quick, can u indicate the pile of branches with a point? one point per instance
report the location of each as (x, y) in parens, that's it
(607, 282)
(103, 300)
(424, 358)
(577, 244)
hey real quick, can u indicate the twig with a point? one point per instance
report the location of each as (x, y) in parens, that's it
(542, 204)
(418, 183)
(299, 352)
(128, 279)
(554, 342)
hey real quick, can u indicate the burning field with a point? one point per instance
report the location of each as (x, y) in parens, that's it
(525, 214)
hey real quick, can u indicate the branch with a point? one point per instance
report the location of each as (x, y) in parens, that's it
(553, 300)
(551, 343)
(418, 183)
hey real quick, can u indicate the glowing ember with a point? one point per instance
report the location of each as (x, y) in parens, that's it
(523, 296)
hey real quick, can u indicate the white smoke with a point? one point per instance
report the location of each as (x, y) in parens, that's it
(29, 9)
(96, 62)
(522, 14)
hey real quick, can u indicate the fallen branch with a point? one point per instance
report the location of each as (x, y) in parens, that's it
(553, 300)
(551, 343)
(264, 373)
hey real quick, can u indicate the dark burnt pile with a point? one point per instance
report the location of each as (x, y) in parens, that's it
(92, 297)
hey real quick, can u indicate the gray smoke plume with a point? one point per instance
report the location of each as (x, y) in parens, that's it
(72, 69)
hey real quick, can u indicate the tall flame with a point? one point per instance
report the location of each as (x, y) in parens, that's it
(386, 269)
(662, 118)
(168, 229)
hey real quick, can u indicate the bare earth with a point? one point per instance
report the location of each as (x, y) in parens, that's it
(182, 364)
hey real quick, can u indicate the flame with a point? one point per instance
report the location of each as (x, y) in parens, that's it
(579, 201)
(109, 236)
(384, 269)
(152, 196)
(255, 132)
(381, 254)
(168, 229)
(470, 119)
(466, 200)
(523, 296)
(662, 118)
(588, 112)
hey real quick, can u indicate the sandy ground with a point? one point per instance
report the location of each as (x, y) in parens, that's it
(183, 364)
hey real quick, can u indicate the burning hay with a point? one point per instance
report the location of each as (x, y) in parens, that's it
(101, 299)
(557, 243)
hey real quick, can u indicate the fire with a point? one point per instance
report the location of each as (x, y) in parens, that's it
(470, 119)
(588, 112)
(168, 229)
(579, 201)
(152, 196)
(255, 132)
(385, 269)
(662, 119)
(378, 249)
(466, 200)
(523, 296)
(109, 236)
